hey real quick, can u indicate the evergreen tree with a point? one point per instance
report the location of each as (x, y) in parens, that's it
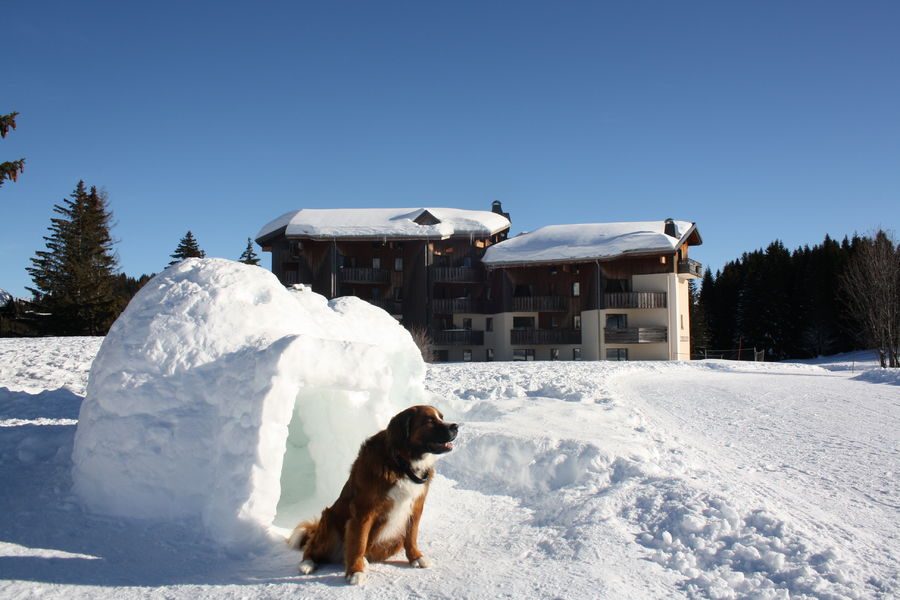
(74, 277)
(10, 169)
(187, 248)
(699, 330)
(249, 256)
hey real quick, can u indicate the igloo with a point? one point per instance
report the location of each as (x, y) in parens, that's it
(222, 398)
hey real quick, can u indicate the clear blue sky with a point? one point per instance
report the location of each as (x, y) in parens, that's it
(757, 120)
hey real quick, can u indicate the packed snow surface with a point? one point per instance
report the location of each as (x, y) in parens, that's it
(587, 241)
(195, 390)
(585, 480)
(386, 223)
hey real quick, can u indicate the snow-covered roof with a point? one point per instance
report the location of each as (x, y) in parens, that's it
(386, 223)
(587, 241)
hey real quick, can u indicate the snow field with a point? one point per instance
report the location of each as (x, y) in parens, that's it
(576, 480)
(576, 466)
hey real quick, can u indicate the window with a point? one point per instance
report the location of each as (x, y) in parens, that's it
(295, 249)
(614, 286)
(554, 353)
(398, 264)
(398, 294)
(523, 322)
(467, 324)
(441, 356)
(617, 354)
(489, 325)
(376, 263)
(376, 293)
(526, 354)
(576, 288)
(576, 322)
(489, 354)
(576, 353)
(616, 321)
(554, 322)
(467, 356)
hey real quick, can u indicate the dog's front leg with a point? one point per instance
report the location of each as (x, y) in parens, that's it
(356, 540)
(411, 542)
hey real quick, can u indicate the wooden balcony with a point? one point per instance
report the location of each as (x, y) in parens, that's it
(457, 275)
(457, 337)
(544, 337)
(450, 306)
(636, 335)
(690, 268)
(540, 304)
(635, 300)
(364, 275)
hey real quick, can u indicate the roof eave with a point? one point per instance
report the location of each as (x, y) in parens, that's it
(608, 258)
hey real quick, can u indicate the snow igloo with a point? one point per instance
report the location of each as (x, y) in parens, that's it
(222, 397)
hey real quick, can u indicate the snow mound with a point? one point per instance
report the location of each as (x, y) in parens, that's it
(220, 396)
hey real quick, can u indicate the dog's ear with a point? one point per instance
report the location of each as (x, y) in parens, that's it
(398, 428)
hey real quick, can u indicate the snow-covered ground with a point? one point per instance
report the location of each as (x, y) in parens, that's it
(569, 480)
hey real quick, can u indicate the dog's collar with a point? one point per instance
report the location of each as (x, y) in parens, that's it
(406, 469)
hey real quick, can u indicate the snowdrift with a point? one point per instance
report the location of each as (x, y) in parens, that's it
(220, 396)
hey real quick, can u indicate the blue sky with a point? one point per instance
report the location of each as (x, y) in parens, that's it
(757, 120)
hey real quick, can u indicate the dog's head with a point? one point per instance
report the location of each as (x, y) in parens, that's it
(420, 430)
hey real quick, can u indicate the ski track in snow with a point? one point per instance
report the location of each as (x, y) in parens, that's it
(569, 480)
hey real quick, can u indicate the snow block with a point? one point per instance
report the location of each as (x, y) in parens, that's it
(214, 378)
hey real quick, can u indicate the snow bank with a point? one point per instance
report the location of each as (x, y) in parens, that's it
(215, 378)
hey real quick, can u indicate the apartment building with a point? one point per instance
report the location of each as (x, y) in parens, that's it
(599, 291)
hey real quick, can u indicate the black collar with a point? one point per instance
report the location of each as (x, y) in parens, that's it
(406, 469)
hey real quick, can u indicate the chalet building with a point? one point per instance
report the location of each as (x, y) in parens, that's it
(601, 291)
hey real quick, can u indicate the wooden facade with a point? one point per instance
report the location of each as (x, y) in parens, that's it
(443, 285)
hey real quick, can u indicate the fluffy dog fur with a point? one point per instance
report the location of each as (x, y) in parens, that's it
(379, 508)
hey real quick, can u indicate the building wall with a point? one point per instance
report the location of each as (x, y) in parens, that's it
(317, 264)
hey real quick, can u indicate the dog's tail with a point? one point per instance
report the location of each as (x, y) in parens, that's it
(301, 534)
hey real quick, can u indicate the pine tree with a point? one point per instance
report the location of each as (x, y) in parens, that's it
(74, 277)
(187, 248)
(249, 256)
(10, 169)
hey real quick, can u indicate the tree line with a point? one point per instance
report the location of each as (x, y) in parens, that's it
(812, 301)
(78, 288)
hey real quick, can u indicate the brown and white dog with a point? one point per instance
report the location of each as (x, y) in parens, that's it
(379, 508)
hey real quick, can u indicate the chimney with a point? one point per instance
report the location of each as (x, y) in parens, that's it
(670, 229)
(497, 208)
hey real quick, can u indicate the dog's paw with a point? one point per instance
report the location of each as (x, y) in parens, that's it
(307, 566)
(420, 563)
(357, 578)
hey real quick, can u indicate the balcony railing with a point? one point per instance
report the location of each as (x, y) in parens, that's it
(635, 300)
(635, 335)
(442, 306)
(457, 337)
(543, 337)
(540, 304)
(456, 274)
(689, 266)
(364, 275)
